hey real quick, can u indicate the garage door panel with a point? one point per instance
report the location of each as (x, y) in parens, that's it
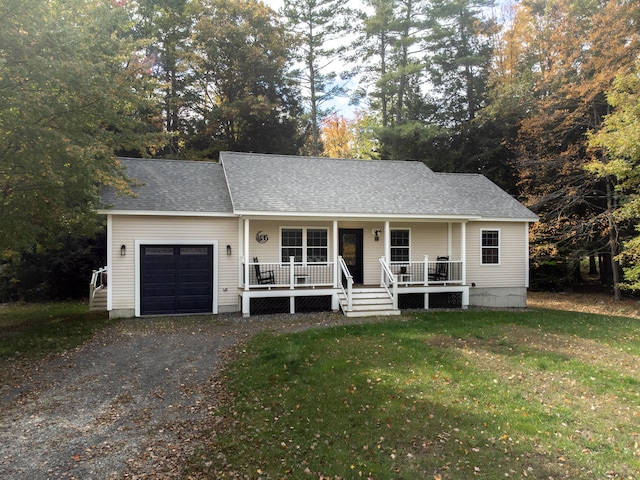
(163, 277)
(187, 281)
(158, 306)
(159, 262)
(176, 279)
(194, 290)
(191, 306)
(159, 290)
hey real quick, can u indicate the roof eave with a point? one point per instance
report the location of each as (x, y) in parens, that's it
(353, 216)
(503, 219)
(164, 213)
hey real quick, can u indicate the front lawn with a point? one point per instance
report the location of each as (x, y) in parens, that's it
(451, 395)
(37, 329)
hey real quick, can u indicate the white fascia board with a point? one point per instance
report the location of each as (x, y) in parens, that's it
(165, 213)
(353, 216)
(499, 219)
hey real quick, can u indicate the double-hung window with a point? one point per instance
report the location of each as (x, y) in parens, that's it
(490, 249)
(306, 245)
(291, 239)
(400, 246)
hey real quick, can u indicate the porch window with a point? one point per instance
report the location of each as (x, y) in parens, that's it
(308, 245)
(317, 245)
(490, 247)
(291, 244)
(400, 246)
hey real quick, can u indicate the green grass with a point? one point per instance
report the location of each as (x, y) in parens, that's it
(35, 330)
(537, 394)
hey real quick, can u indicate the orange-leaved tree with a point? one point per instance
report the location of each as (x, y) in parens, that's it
(558, 72)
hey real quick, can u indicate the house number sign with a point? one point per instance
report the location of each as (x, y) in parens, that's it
(262, 237)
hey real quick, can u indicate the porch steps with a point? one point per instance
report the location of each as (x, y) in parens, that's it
(99, 301)
(368, 302)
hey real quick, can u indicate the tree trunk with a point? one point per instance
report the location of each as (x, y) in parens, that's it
(593, 268)
(577, 274)
(613, 243)
(604, 261)
(615, 269)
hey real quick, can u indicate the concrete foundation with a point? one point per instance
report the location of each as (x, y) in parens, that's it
(498, 297)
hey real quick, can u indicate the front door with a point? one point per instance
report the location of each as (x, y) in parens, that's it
(350, 248)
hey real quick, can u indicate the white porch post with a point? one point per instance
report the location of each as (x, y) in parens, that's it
(463, 251)
(526, 255)
(336, 265)
(110, 261)
(292, 272)
(387, 243)
(246, 254)
(387, 252)
(426, 270)
(450, 240)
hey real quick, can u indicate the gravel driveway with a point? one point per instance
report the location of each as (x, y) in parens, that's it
(129, 403)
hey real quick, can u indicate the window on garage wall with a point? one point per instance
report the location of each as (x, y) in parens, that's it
(490, 249)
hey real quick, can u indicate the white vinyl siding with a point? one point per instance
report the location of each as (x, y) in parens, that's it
(510, 272)
(431, 239)
(126, 230)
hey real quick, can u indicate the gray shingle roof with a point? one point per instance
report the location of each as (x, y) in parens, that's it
(315, 185)
(172, 186)
(480, 196)
(290, 185)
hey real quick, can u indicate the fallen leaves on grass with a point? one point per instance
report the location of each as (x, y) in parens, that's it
(598, 303)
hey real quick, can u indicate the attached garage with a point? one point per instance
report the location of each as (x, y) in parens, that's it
(176, 279)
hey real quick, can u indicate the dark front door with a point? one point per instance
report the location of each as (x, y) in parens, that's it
(176, 279)
(351, 251)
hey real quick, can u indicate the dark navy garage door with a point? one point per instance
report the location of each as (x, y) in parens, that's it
(176, 279)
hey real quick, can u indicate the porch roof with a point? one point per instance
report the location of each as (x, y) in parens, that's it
(281, 184)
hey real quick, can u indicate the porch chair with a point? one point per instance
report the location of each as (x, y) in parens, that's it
(265, 277)
(441, 270)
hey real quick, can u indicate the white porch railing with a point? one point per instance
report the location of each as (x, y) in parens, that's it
(99, 281)
(389, 278)
(288, 275)
(348, 292)
(294, 275)
(429, 272)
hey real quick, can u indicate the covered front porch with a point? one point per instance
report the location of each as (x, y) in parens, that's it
(361, 268)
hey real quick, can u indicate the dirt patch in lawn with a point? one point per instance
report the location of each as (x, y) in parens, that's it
(599, 303)
(516, 340)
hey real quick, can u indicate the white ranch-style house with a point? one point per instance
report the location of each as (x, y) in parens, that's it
(273, 233)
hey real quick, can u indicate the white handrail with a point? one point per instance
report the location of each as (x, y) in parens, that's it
(98, 280)
(393, 280)
(349, 292)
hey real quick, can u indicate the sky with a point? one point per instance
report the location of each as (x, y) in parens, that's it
(340, 104)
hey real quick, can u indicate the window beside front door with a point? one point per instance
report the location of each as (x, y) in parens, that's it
(490, 254)
(306, 245)
(400, 242)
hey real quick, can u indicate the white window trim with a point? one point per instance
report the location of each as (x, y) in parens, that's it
(499, 247)
(305, 246)
(391, 247)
